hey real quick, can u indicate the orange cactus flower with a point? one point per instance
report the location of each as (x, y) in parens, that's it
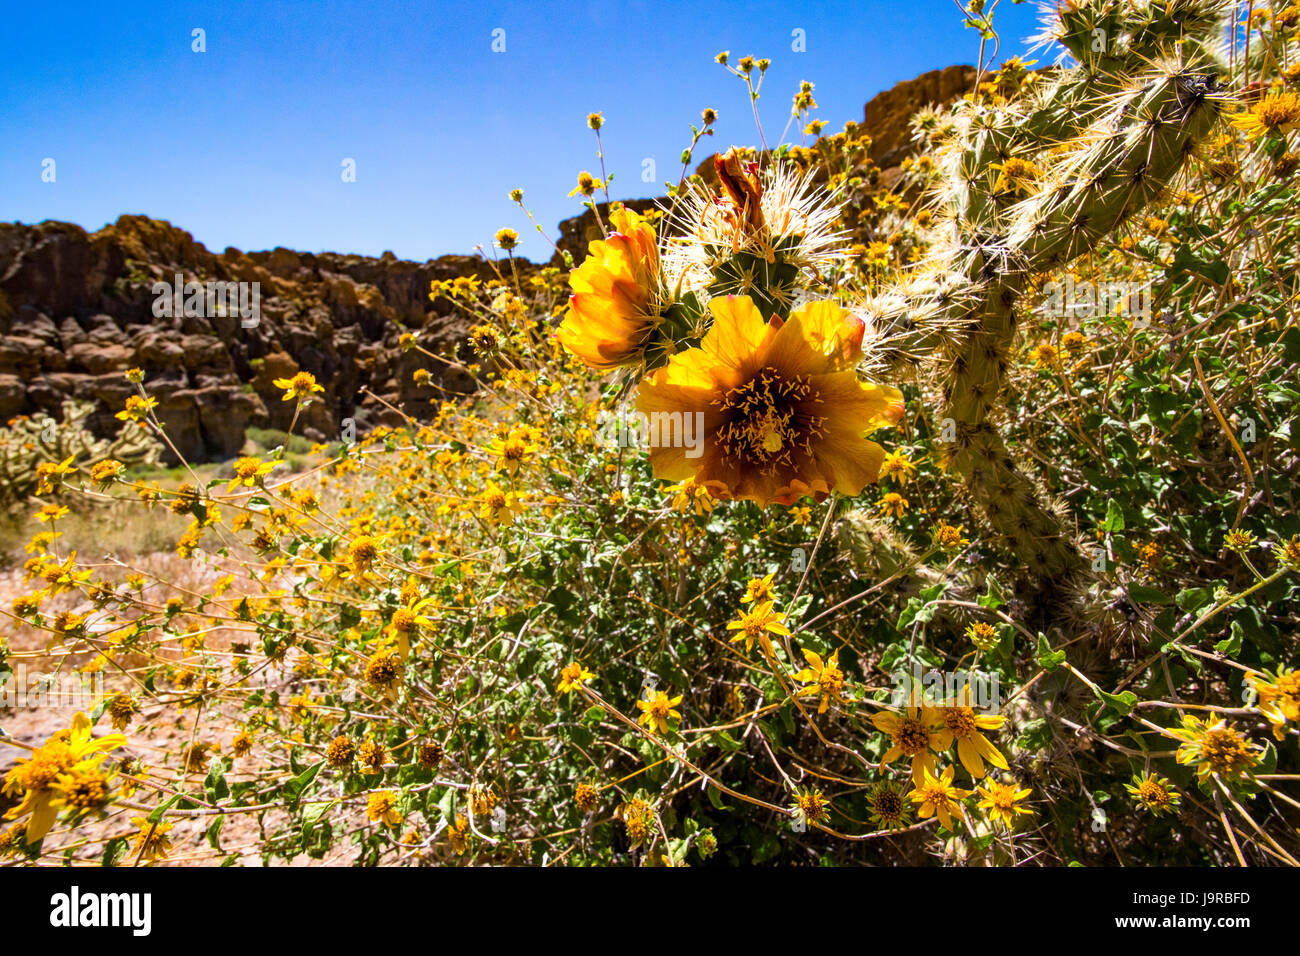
(783, 411)
(612, 310)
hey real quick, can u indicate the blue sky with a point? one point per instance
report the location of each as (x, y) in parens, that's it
(243, 144)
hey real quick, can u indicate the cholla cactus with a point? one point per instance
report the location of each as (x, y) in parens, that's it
(1027, 186)
(874, 549)
(28, 442)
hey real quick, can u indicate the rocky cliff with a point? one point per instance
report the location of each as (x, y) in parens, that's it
(888, 114)
(77, 309)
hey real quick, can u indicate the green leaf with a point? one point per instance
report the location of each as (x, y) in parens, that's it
(715, 797)
(1192, 600)
(214, 786)
(916, 610)
(445, 804)
(114, 850)
(1142, 594)
(1114, 516)
(993, 597)
(1231, 645)
(1036, 735)
(1048, 659)
(935, 591)
(312, 814)
(786, 715)
(295, 787)
(1121, 703)
(1267, 759)
(157, 814)
(726, 741)
(1185, 260)
(214, 833)
(1171, 648)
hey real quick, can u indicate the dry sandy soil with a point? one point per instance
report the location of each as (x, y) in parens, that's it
(156, 739)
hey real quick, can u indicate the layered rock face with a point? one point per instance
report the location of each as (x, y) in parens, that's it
(77, 309)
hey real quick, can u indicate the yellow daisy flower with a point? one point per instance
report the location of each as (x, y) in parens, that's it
(136, 408)
(1002, 801)
(760, 590)
(381, 807)
(898, 467)
(1277, 113)
(37, 777)
(689, 495)
(825, 677)
(937, 796)
(498, 506)
(573, 676)
(657, 710)
(587, 184)
(298, 388)
(963, 725)
(151, 840)
(1213, 747)
(1279, 697)
(893, 504)
(511, 451)
(757, 623)
(248, 471)
(1154, 793)
(49, 474)
(913, 734)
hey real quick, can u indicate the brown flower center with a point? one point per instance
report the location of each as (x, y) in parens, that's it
(1003, 798)
(812, 805)
(769, 418)
(1152, 794)
(936, 793)
(1225, 750)
(960, 722)
(887, 804)
(913, 737)
(86, 792)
